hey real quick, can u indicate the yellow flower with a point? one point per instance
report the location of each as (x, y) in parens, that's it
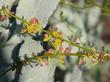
(33, 27)
(94, 61)
(56, 43)
(47, 37)
(49, 53)
(57, 34)
(82, 61)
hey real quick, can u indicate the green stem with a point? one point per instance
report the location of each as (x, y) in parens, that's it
(20, 19)
(81, 47)
(74, 44)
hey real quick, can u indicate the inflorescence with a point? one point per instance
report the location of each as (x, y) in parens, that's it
(54, 39)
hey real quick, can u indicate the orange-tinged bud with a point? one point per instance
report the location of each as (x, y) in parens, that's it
(34, 21)
(3, 18)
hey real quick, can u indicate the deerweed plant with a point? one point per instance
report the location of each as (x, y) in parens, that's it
(54, 39)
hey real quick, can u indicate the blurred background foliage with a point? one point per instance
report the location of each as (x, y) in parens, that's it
(88, 20)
